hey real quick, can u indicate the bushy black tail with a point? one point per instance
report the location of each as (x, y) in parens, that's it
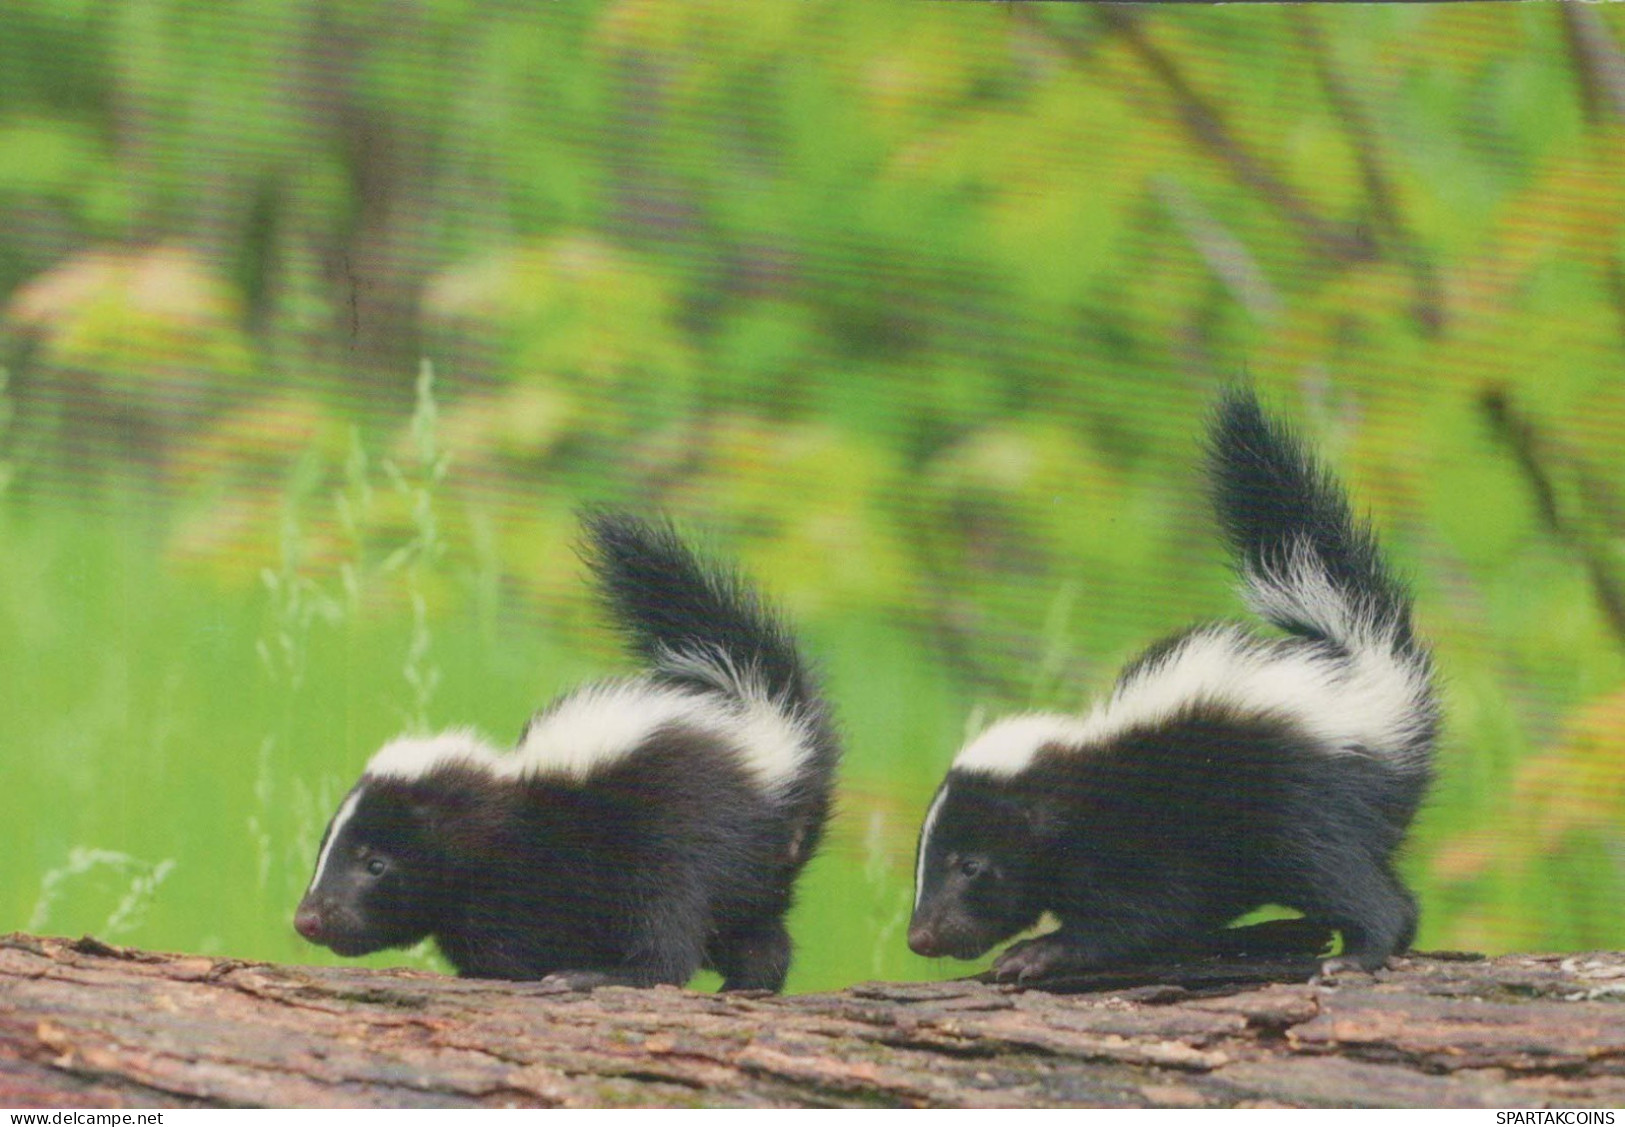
(695, 623)
(1307, 564)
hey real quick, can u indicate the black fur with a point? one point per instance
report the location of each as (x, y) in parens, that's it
(661, 861)
(1144, 843)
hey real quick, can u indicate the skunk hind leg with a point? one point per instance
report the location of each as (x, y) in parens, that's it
(754, 956)
(1376, 915)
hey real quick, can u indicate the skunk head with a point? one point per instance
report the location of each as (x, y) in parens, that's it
(988, 839)
(382, 878)
(974, 876)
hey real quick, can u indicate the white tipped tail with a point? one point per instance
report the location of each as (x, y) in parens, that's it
(1310, 567)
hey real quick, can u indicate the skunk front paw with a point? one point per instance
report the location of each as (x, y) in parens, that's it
(1044, 957)
(580, 981)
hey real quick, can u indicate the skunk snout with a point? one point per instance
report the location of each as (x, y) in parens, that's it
(943, 929)
(922, 940)
(307, 921)
(343, 928)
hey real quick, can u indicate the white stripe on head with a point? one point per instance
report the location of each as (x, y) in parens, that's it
(412, 757)
(334, 828)
(925, 840)
(1008, 745)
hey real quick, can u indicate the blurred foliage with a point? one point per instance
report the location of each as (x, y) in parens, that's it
(916, 309)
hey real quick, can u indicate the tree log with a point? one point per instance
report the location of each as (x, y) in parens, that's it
(85, 1024)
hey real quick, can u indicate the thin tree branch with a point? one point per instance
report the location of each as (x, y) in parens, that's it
(1614, 273)
(1226, 255)
(1208, 128)
(1599, 68)
(1428, 305)
(1533, 454)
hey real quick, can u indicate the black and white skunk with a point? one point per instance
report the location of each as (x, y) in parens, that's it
(1224, 772)
(645, 827)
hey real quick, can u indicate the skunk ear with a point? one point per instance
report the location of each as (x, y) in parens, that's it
(1046, 817)
(425, 815)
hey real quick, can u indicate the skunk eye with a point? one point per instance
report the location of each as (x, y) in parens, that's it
(970, 866)
(376, 866)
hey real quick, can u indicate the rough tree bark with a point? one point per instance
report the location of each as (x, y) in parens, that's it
(85, 1024)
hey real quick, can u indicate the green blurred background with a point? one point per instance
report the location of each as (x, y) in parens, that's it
(318, 319)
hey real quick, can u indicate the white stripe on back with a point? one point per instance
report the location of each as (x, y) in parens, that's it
(602, 723)
(1374, 700)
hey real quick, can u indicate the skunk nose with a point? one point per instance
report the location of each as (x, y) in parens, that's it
(923, 941)
(307, 922)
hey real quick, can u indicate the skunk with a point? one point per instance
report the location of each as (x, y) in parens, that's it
(645, 827)
(1224, 772)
